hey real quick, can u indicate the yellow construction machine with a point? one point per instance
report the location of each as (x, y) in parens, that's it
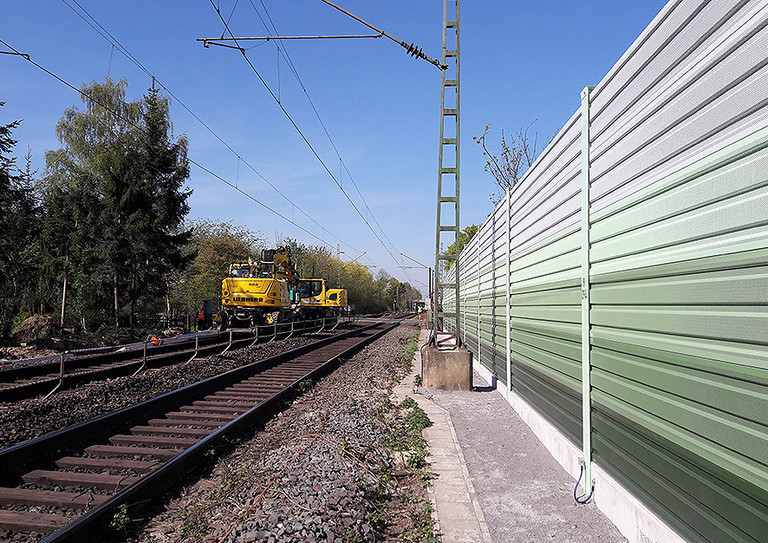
(259, 293)
(316, 301)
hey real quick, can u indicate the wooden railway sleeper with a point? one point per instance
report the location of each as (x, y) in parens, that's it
(137, 452)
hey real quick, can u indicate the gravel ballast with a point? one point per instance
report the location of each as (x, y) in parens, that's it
(32, 418)
(332, 466)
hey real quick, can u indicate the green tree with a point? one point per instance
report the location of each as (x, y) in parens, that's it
(212, 248)
(120, 175)
(18, 233)
(154, 228)
(464, 236)
(7, 222)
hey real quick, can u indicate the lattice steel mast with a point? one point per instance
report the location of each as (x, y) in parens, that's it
(448, 169)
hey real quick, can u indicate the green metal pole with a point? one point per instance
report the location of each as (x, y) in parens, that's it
(586, 364)
(508, 285)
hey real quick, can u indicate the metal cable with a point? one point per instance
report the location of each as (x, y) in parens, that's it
(104, 33)
(296, 127)
(191, 161)
(289, 61)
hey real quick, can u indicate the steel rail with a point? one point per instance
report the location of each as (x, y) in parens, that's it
(47, 378)
(21, 457)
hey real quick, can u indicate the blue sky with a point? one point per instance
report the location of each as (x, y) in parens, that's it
(521, 61)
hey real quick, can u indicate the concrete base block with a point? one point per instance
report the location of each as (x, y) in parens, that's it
(447, 369)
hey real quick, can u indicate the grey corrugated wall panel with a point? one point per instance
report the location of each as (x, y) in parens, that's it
(678, 273)
(546, 200)
(700, 94)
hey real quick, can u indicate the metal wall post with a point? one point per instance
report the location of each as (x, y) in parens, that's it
(493, 297)
(508, 285)
(477, 306)
(586, 363)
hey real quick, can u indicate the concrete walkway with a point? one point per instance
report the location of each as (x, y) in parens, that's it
(494, 481)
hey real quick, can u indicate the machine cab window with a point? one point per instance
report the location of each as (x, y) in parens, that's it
(310, 288)
(243, 271)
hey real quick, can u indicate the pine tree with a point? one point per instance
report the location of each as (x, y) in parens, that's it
(18, 234)
(122, 176)
(156, 233)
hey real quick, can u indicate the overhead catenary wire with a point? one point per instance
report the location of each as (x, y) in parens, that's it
(298, 129)
(344, 167)
(411, 48)
(191, 161)
(86, 16)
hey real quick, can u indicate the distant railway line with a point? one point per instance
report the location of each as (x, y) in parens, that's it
(74, 368)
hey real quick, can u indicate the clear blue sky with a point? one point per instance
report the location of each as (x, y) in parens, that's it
(521, 61)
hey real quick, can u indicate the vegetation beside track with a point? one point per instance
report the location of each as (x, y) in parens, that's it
(100, 240)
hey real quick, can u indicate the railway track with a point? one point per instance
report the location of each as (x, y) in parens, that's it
(68, 483)
(75, 368)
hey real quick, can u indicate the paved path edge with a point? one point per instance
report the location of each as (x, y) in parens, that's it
(456, 510)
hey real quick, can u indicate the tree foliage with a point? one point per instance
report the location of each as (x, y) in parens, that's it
(366, 293)
(100, 237)
(19, 228)
(465, 235)
(517, 154)
(114, 202)
(212, 248)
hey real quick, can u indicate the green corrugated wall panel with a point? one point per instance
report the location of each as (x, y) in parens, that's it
(711, 434)
(740, 245)
(732, 323)
(689, 204)
(558, 313)
(553, 280)
(558, 296)
(729, 516)
(745, 362)
(490, 359)
(561, 244)
(563, 371)
(746, 286)
(739, 397)
(562, 330)
(542, 270)
(560, 406)
(725, 254)
(567, 349)
(657, 469)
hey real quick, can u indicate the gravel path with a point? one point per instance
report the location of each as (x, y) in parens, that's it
(525, 495)
(323, 469)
